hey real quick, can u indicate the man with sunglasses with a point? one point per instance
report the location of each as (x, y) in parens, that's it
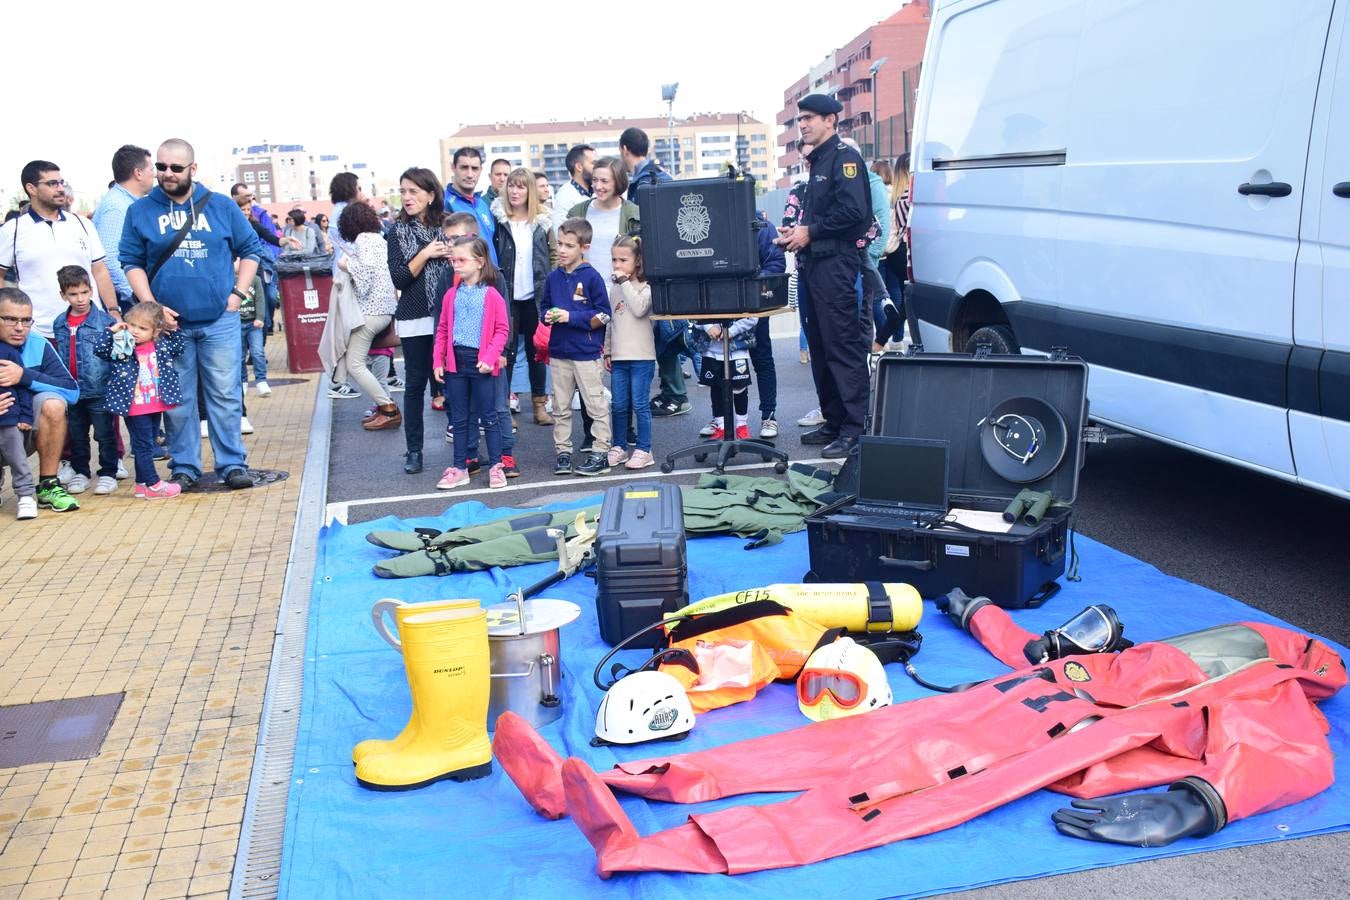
(178, 248)
(33, 246)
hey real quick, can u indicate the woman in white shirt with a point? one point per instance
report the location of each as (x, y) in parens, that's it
(610, 215)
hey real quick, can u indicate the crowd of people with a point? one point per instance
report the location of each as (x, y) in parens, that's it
(153, 312)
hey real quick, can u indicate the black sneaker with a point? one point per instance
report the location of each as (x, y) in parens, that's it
(661, 407)
(564, 464)
(238, 479)
(183, 480)
(593, 464)
(472, 466)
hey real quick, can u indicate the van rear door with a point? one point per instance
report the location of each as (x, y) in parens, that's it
(1188, 128)
(1319, 368)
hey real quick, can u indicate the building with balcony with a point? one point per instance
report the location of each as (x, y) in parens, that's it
(845, 73)
(704, 144)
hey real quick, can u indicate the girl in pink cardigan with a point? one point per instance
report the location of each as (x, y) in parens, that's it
(470, 340)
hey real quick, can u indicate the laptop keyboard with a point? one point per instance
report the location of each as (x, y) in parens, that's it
(920, 517)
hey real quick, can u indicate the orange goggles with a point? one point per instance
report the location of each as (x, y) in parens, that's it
(844, 688)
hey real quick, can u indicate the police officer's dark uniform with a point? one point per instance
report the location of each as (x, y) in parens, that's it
(838, 211)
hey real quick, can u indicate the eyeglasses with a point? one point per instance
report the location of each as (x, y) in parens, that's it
(175, 168)
(24, 321)
(55, 183)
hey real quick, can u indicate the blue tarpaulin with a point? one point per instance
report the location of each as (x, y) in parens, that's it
(481, 839)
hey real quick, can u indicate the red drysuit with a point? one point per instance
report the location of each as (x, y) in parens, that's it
(1229, 710)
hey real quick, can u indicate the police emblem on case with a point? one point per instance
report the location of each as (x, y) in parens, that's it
(693, 223)
(1074, 671)
(850, 170)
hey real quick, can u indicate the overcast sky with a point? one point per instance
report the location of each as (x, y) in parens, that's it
(380, 80)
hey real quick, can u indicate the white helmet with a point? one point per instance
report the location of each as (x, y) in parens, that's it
(643, 706)
(842, 679)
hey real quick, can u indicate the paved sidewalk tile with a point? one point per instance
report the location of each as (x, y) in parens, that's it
(174, 602)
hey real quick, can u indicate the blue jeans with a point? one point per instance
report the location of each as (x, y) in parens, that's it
(142, 430)
(631, 384)
(79, 417)
(211, 358)
(252, 339)
(766, 373)
(502, 388)
(472, 397)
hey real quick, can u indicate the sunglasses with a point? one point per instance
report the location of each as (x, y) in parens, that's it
(175, 168)
(25, 321)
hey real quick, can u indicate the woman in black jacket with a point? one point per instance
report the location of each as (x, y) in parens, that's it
(526, 250)
(420, 268)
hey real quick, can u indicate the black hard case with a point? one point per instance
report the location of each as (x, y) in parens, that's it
(706, 296)
(943, 397)
(719, 212)
(642, 570)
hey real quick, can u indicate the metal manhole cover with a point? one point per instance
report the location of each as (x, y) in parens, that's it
(211, 483)
(276, 382)
(55, 730)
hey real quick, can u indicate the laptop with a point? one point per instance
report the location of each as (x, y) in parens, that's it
(902, 478)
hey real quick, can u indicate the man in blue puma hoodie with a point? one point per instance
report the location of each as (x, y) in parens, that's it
(201, 291)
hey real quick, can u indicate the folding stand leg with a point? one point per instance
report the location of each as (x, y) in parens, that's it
(729, 446)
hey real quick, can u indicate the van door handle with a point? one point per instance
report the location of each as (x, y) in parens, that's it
(1342, 189)
(1274, 189)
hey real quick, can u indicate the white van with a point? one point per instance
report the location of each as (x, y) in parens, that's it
(1163, 188)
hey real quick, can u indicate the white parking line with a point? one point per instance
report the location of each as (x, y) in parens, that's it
(337, 512)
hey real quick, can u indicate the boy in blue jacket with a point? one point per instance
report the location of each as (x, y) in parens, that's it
(576, 304)
(40, 372)
(75, 332)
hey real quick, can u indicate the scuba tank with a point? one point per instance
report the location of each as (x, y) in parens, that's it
(868, 607)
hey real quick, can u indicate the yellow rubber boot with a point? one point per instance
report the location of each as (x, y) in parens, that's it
(377, 745)
(446, 656)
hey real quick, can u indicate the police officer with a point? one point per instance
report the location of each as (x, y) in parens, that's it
(838, 210)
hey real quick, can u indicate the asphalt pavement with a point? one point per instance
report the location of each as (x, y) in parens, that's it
(1268, 543)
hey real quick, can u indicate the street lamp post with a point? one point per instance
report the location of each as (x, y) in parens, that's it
(668, 95)
(876, 126)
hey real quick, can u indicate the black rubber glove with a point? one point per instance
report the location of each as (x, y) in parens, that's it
(961, 607)
(1188, 809)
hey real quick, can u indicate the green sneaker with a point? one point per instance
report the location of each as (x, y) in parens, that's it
(54, 497)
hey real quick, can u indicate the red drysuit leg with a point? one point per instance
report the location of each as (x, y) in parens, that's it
(825, 752)
(822, 823)
(1246, 721)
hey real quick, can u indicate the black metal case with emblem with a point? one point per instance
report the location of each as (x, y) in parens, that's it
(642, 570)
(955, 398)
(700, 228)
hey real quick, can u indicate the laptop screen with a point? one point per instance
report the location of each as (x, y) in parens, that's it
(904, 471)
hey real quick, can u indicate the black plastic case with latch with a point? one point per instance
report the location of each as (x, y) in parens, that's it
(642, 570)
(700, 228)
(952, 398)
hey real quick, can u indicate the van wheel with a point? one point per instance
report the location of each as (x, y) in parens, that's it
(999, 338)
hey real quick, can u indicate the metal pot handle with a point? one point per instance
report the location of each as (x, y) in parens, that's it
(387, 605)
(526, 674)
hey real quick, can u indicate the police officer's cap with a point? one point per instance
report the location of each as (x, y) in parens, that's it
(820, 104)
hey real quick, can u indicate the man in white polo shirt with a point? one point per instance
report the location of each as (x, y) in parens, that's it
(39, 242)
